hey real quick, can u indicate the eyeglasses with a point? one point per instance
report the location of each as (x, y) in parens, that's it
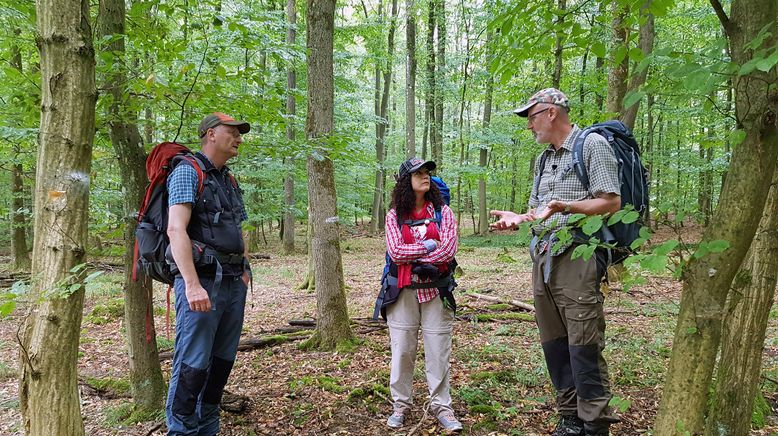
(530, 117)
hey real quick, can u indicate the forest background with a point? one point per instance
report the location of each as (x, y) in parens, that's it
(338, 95)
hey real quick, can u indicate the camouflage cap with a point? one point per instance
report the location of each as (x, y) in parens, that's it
(217, 118)
(548, 95)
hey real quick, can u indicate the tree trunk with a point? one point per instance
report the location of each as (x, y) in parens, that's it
(483, 217)
(291, 111)
(332, 322)
(619, 61)
(743, 335)
(440, 78)
(461, 127)
(410, 80)
(706, 281)
(432, 127)
(48, 391)
(18, 224)
(639, 77)
(557, 78)
(376, 222)
(147, 385)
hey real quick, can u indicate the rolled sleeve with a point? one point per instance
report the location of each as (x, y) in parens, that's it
(182, 185)
(601, 165)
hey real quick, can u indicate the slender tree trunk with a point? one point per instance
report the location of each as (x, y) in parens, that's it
(582, 85)
(483, 217)
(410, 79)
(461, 127)
(18, 223)
(557, 78)
(639, 77)
(291, 111)
(440, 78)
(48, 390)
(332, 321)
(619, 61)
(648, 150)
(147, 385)
(706, 281)
(744, 327)
(376, 222)
(432, 126)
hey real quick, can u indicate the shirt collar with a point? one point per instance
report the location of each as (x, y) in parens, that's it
(567, 144)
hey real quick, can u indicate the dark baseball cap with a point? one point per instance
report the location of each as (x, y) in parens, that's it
(218, 118)
(548, 95)
(414, 164)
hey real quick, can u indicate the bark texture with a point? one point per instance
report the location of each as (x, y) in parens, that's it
(410, 79)
(619, 61)
(646, 42)
(48, 390)
(743, 335)
(332, 322)
(146, 383)
(706, 282)
(483, 217)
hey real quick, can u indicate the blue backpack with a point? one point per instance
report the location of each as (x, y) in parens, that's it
(633, 180)
(445, 192)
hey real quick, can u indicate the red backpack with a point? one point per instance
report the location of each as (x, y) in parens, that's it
(151, 239)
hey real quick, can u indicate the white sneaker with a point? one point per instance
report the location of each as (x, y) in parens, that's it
(395, 420)
(449, 422)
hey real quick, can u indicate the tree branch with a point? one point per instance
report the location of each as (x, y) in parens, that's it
(721, 14)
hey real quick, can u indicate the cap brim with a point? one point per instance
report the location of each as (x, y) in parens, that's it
(430, 165)
(243, 127)
(524, 110)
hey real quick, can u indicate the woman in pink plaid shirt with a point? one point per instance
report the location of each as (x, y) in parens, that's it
(420, 248)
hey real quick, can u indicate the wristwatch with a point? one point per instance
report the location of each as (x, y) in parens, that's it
(568, 205)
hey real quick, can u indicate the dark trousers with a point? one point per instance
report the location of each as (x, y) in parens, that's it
(570, 318)
(205, 350)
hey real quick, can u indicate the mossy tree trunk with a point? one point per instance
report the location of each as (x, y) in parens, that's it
(48, 391)
(332, 321)
(706, 281)
(147, 385)
(742, 341)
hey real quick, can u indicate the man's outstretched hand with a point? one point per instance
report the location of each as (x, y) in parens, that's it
(510, 220)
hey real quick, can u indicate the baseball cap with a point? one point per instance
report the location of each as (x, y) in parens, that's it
(217, 118)
(548, 95)
(414, 164)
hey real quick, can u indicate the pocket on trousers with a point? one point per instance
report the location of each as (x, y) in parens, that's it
(583, 323)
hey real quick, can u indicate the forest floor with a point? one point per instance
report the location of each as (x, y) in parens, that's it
(499, 381)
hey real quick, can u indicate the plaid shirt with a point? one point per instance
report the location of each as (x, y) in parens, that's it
(182, 187)
(559, 181)
(400, 252)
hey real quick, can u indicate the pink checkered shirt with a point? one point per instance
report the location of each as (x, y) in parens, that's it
(400, 252)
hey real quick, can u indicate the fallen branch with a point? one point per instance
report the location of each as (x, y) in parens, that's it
(263, 342)
(518, 304)
(504, 316)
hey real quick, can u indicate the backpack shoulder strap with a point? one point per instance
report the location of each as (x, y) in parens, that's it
(198, 166)
(541, 167)
(579, 164)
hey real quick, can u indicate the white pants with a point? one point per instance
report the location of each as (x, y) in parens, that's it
(404, 318)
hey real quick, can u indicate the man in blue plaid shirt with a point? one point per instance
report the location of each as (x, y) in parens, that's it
(568, 301)
(211, 260)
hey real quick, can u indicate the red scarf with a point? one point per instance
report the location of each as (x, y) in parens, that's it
(404, 270)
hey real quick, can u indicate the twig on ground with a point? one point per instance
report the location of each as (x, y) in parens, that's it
(518, 304)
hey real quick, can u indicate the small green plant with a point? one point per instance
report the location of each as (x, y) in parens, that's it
(108, 312)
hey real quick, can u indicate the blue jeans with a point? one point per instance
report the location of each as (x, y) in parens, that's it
(205, 349)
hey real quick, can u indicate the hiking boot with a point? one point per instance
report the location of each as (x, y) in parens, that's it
(449, 422)
(569, 425)
(596, 428)
(395, 420)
